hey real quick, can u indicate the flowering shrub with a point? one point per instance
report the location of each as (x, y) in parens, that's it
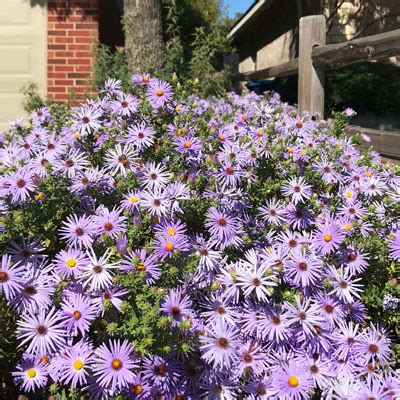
(161, 246)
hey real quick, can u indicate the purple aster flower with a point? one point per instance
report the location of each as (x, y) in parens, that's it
(303, 270)
(273, 212)
(22, 184)
(394, 246)
(251, 359)
(219, 346)
(156, 202)
(223, 228)
(141, 135)
(159, 93)
(70, 263)
(75, 364)
(177, 305)
(71, 164)
(35, 294)
(28, 252)
(30, 373)
(78, 314)
(78, 231)
(154, 176)
(344, 287)
(43, 332)
(187, 144)
(122, 245)
(86, 119)
(139, 260)
(110, 295)
(11, 277)
(109, 222)
(328, 237)
(355, 261)
(113, 364)
(167, 246)
(297, 189)
(330, 308)
(112, 86)
(125, 104)
(161, 373)
(274, 325)
(291, 382)
(131, 201)
(142, 79)
(121, 159)
(255, 278)
(97, 274)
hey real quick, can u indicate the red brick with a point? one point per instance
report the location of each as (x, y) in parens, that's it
(83, 39)
(64, 54)
(56, 47)
(86, 25)
(58, 32)
(79, 61)
(57, 75)
(63, 25)
(56, 61)
(83, 68)
(50, 54)
(66, 68)
(80, 82)
(79, 32)
(56, 89)
(78, 46)
(59, 39)
(61, 96)
(63, 82)
(73, 75)
(85, 54)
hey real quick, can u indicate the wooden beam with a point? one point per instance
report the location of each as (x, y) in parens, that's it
(280, 70)
(311, 79)
(369, 48)
(386, 143)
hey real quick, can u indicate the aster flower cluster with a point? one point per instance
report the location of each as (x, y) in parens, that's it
(159, 246)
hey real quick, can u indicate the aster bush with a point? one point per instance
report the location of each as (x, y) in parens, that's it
(156, 245)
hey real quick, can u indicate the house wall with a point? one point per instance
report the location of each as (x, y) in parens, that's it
(272, 37)
(72, 30)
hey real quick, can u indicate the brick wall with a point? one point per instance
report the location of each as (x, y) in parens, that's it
(72, 30)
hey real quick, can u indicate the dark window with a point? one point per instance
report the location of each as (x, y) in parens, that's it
(110, 23)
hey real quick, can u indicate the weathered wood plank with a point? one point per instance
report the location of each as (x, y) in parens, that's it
(386, 143)
(277, 71)
(369, 48)
(311, 78)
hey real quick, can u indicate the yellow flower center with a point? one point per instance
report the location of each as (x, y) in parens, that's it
(133, 199)
(349, 195)
(159, 92)
(138, 389)
(368, 174)
(339, 144)
(259, 133)
(169, 246)
(187, 145)
(116, 364)
(71, 263)
(244, 116)
(179, 132)
(145, 79)
(77, 315)
(327, 237)
(75, 134)
(178, 108)
(293, 381)
(171, 231)
(303, 153)
(44, 360)
(141, 267)
(31, 373)
(78, 365)
(290, 150)
(347, 227)
(40, 196)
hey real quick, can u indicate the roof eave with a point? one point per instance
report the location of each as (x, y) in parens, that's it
(246, 17)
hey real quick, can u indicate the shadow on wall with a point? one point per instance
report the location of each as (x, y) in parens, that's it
(64, 8)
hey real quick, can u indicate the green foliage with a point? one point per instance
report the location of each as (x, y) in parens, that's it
(110, 63)
(370, 87)
(32, 99)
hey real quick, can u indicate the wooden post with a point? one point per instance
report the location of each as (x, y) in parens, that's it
(311, 79)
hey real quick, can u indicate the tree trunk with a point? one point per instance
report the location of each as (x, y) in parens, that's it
(144, 43)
